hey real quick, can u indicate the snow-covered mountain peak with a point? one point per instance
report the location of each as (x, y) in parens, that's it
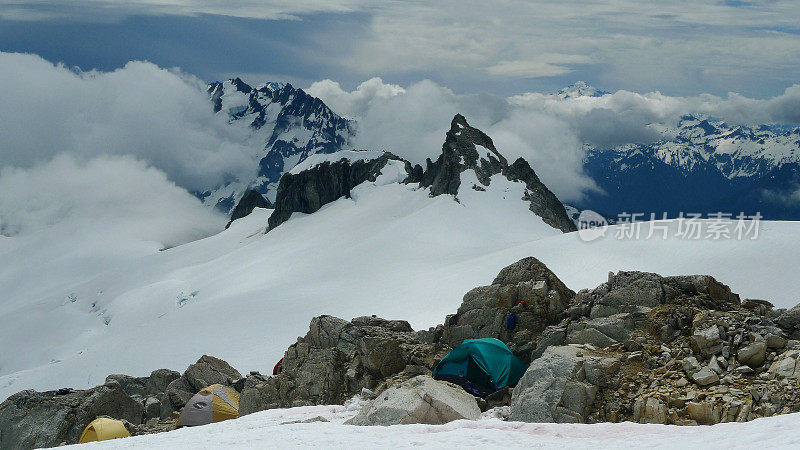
(272, 85)
(470, 169)
(580, 89)
(285, 124)
(471, 144)
(701, 163)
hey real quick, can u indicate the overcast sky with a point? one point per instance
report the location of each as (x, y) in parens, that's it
(471, 46)
(115, 89)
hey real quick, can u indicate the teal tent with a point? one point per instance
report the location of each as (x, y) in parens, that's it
(481, 366)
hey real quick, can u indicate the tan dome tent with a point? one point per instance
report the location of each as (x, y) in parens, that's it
(212, 404)
(103, 429)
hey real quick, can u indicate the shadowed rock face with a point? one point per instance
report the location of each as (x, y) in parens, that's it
(337, 359)
(309, 190)
(251, 200)
(31, 419)
(468, 148)
(543, 202)
(465, 148)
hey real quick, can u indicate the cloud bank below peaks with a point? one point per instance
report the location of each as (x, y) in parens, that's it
(99, 145)
(549, 131)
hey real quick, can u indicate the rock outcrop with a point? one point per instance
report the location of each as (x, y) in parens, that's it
(526, 293)
(419, 400)
(250, 201)
(468, 148)
(311, 189)
(31, 419)
(683, 350)
(679, 350)
(561, 385)
(465, 148)
(337, 359)
(206, 371)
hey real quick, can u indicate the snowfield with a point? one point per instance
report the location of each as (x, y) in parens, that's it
(78, 305)
(283, 428)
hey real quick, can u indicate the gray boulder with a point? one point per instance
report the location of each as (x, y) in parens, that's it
(554, 335)
(707, 341)
(649, 410)
(31, 419)
(753, 354)
(705, 377)
(789, 320)
(209, 370)
(419, 400)
(206, 371)
(629, 298)
(555, 388)
(337, 359)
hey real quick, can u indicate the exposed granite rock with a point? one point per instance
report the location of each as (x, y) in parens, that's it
(468, 148)
(206, 371)
(30, 419)
(561, 385)
(337, 359)
(528, 290)
(419, 400)
(309, 190)
(250, 201)
(542, 201)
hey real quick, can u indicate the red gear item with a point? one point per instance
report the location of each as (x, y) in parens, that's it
(522, 302)
(277, 369)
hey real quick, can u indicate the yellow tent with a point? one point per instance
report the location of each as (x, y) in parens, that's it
(103, 429)
(212, 404)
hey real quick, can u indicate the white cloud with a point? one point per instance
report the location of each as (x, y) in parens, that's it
(545, 65)
(105, 9)
(160, 116)
(547, 131)
(412, 122)
(357, 102)
(679, 47)
(114, 152)
(114, 198)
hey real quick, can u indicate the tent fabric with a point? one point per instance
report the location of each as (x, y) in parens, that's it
(212, 404)
(487, 364)
(103, 429)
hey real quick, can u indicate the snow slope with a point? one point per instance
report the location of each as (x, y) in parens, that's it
(76, 306)
(281, 428)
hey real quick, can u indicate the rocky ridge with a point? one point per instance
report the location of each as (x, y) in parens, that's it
(640, 347)
(309, 190)
(286, 125)
(465, 149)
(250, 201)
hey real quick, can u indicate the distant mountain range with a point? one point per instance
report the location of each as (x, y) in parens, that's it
(700, 165)
(697, 165)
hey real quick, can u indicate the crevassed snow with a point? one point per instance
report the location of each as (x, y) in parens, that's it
(283, 428)
(75, 307)
(350, 155)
